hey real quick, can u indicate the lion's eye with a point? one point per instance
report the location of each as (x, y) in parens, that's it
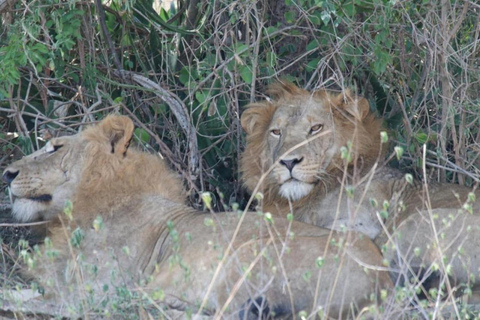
(50, 148)
(275, 132)
(316, 128)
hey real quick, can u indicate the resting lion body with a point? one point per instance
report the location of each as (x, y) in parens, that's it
(316, 154)
(127, 227)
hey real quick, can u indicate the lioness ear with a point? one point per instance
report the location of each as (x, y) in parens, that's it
(257, 116)
(354, 105)
(119, 131)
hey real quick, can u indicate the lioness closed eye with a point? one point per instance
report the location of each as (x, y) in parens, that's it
(126, 228)
(324, 154)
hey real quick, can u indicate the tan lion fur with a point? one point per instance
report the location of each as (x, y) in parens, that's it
(139, 171)
(136, 233)
(417, 225)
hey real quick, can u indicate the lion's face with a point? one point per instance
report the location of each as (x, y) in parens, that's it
(41, 183)
(300, 139)
(299, 135)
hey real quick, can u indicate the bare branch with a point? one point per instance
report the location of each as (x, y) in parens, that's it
(178, 109)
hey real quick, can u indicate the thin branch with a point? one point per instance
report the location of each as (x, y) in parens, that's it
(106, 34)
(180, 112)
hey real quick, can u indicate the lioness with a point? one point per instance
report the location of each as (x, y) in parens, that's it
(125, 225)
(315, 154)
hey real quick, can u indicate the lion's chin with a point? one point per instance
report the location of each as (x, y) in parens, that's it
(295, 190)
(26, 210)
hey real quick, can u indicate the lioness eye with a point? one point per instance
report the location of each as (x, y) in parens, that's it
(316, 128)
(50, 148)
(275, 132)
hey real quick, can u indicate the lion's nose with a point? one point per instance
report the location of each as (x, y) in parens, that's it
(10, 175)
(291, 163)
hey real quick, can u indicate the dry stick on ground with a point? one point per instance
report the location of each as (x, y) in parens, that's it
(29, 224)
(180, 112)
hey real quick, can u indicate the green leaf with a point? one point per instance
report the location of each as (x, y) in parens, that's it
(98, 223)
(384, 136)
(40, 48)
(241, 49)
(325, 16)
(142, 135)
(319, 262)
(398, 152)
(312, 65)
(200, 96)
(270, 30)
(409, 178)
(314, 19)
(382, 60)
(271, 59)
(290, 16)
(313, 45)
(77, 236)
(207, 199)
(246, 74)
(164, 14)
(349, 9)
(186, 76)
(421, 137)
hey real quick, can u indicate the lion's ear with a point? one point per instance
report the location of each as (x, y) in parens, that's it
(284, 90)
(354, 105)
(257, 116)
(118, 130)
(248, 119)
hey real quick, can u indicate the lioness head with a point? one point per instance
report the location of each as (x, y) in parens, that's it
(92, 167)
(302, 133)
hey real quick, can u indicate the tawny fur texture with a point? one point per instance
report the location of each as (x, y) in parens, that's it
(129, 229)
(139, 171)
(417, 225)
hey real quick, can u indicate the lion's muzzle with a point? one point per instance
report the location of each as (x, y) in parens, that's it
(9, 176)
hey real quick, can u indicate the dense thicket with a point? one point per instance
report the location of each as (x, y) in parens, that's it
(184, 71)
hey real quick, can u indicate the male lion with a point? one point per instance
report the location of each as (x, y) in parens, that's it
(315, 154)
(131, 229)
